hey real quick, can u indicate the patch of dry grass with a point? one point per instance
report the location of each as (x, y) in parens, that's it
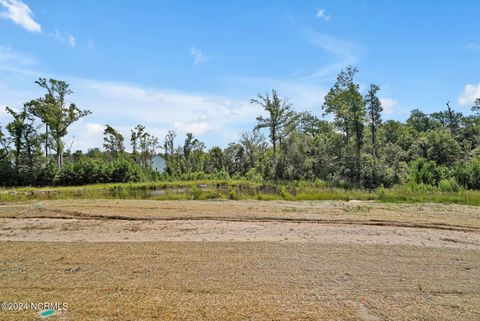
(435, 215)
(237, 281)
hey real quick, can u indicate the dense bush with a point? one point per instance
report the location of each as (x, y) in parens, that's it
(7, 174)
(468, 174)
(448, 185)
(87, 171)
(425, 172)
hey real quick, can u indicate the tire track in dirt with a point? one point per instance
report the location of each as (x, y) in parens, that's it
(66, 214)
(207, 230)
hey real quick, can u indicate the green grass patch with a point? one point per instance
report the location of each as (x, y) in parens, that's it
(239, 190)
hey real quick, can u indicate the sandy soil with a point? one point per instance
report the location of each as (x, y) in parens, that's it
(74, 230)
(436, 215)
(222, 260)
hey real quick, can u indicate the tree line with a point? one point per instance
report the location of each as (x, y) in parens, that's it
(349, 146)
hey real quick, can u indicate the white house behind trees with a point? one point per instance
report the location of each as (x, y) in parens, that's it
(158, 163)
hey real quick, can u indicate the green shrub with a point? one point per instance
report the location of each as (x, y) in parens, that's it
(445, 185)
(425, 172)
(47, 175)
(222, 175)
(196, 192)
(253, 175)
(233, 195)
(127, 171)
(7, 174)
(210, 195)
(468, 174)
(87, 171)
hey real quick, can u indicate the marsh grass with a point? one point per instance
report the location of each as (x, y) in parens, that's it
(239, 190)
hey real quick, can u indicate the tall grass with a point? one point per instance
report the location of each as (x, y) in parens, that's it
(241, 189)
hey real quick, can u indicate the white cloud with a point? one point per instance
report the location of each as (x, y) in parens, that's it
(124, 105)
(84, 135)
(307, 91)
(469, 94)
(196, 128)
(345, 52)
(19, 13)
(389, 105)
(473, 46)
(64, 37)
(14, 68)
(94, 129)
(17, 63)
(321, 13)
(336, 46)
(10, 57)
(198, 56)
(2, 111)
(159, 106)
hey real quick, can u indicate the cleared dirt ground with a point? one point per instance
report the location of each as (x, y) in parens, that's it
(234, 260)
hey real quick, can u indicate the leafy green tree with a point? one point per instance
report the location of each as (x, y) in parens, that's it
(253, 145)
(469, 133)
(338, 102)
(442, 147)
(16, 129)
(297, 162)
(3, 146)
(55, 114)
(144, 146)
(26, 140)
(476, 106)
(96, 154)
(280, 122)
(215, 160)
(193, 154)
(171, 160)
(235, 159)
(467, 174)
(113, 142)
(326, 155)
(448, 119)
(420, 121)
(347, 106)
(400, 134)
(425, 172)
(374, 112)
(394, 160)
(311, 125)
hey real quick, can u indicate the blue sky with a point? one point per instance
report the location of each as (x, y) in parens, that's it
(194, 65)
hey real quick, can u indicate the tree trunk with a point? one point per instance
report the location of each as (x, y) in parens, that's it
(58, 142)
(358, 143)
(29, 152)
(17, 154)
(374, 152)
(274, 158)
(46, 142)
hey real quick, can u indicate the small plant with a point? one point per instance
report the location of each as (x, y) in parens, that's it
(284, 194)
(419, 287)
(233, 195)
(196, 192)
(381, 192)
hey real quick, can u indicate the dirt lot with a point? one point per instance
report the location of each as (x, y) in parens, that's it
(235, 260)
